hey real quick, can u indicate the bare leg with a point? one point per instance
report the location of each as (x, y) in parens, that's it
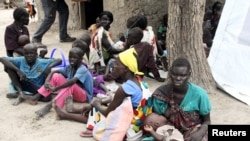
(15, 80)
(43, 111)
(69, 104)
(18, 101)
(85, 106)
(63, 115)
(32, 99)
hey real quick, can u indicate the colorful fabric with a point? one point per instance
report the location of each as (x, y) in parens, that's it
(78, 93)
(129, 59)
(98, 81)
(109, 128)
(35, 73)
(115, 126)
(143, 109)
(130, 88)
(96, 44)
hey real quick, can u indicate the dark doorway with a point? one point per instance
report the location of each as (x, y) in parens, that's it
(91, 11)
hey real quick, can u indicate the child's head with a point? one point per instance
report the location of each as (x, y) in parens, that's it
(75, 56)
(155, 120)
(30, 53)
(134, 36)
(208, 14)
(81, 44)
(131, 22)
(142, 21)
(86, 38)
(217, 8)
(21, 15)
(23, 40)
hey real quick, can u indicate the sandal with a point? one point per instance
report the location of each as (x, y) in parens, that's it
(87, 133)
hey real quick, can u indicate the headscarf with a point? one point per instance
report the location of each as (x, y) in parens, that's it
(129, 59)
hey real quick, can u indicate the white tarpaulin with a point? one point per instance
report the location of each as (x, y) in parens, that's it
(229, 57)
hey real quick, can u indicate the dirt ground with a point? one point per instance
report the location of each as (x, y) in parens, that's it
(20, 122)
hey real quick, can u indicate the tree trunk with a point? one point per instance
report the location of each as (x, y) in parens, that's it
(184, 39)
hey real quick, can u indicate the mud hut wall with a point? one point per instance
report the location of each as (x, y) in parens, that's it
(123, 9)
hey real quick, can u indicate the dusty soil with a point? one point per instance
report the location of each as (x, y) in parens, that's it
(20, 122)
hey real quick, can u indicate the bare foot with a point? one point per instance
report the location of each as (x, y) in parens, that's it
(18, 101)
(31, 102)
(43, 111)
(31, 99)
(69, 104)
(36, 97)
(53, 103)
(59, 113)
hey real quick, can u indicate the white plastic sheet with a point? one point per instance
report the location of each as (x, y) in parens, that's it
(229, 58)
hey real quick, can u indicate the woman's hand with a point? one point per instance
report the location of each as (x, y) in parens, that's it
(86, 108)
(95, 102)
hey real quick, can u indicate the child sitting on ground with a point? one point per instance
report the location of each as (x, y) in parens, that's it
(156, 125)
(99, 87)
(74, 80)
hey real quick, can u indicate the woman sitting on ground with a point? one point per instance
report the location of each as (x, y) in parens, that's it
(184, 104)
(126, 98)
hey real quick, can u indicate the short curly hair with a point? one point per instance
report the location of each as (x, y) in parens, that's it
(19, 12)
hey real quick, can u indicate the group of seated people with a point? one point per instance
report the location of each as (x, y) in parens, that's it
(178, 110)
